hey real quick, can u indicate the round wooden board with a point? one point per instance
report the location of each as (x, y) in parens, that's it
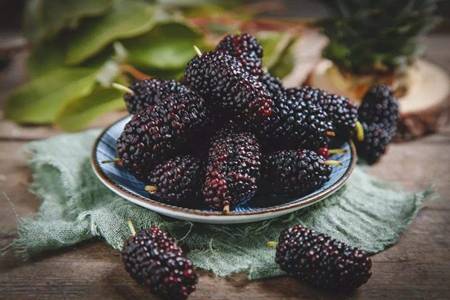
(423, 108)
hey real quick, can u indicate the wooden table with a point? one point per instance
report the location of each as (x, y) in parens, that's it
(418, 267)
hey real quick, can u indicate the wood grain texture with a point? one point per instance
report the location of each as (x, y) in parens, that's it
(418, 267)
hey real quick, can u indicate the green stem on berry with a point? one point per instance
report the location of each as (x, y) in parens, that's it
(131, 226)
(114, 160)
(151, 189)
(122, 88)
(359, 131)
(337, 151)
(332, 163)
(198, 51)
(272, 244)
(330, 133)
(226, 209)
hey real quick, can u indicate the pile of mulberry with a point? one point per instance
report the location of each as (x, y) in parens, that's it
(154, 260)
(320, 260)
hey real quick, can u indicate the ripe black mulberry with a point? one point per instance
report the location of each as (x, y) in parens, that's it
(149, 92)
(322, 261)
(176, 181)
(246, 48)
(380, 106)
(221, 78)
(295, 172)
(342, 113)
(160, 132)
(233, 169)
(154, 260)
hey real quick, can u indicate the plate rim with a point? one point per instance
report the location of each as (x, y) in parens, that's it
(192, 214)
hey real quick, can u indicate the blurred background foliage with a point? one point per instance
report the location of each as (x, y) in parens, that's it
(78, 48)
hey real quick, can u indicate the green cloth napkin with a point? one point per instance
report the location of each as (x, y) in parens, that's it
(367, 213)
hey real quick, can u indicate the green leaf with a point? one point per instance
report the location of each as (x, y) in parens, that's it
(79, 113)
(38, 101)
(46, 57)
(45, 18)
(166, 46)
(125, 19)
(274, 45)
(285, 63)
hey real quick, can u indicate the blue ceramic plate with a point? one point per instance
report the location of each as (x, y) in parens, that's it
(260, 208)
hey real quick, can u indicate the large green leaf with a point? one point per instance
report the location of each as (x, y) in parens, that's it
(45, 18)
(125, 19)
(78, 113)
(38, 101)
(46, 57)
(166, 46)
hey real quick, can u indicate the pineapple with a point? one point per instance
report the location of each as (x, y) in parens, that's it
(375, 41)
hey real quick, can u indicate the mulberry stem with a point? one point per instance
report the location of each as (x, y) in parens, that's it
(122, 88)
(359, 131)
(198, 51)
(114, 160)
(151, 188)
(272, 244)
(330, 133)
(337, 151)
(226, 209)
(332, 163)
(130, 225)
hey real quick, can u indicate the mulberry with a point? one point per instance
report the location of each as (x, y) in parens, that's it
(296, 172)
(150, 92)
(273, 86)
(342, 113)
(221, 78)
(160, 132)
(293, 123)
(381, 107)
(233, 169)
(320, 260)
(376, 140)
(246, 48)
(154, 260)
(176, 181)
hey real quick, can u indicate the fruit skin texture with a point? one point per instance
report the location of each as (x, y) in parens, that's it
(381, 107)
(295, 172)
(149, 92)
(246, 48)
(376, 140)
(232, 170)
(320, 260)
(222, 80)
(160, 132)
(293, 123)
(177, 180)
(379, 114)
(342, 113)
(153, 259)
(273, 85)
